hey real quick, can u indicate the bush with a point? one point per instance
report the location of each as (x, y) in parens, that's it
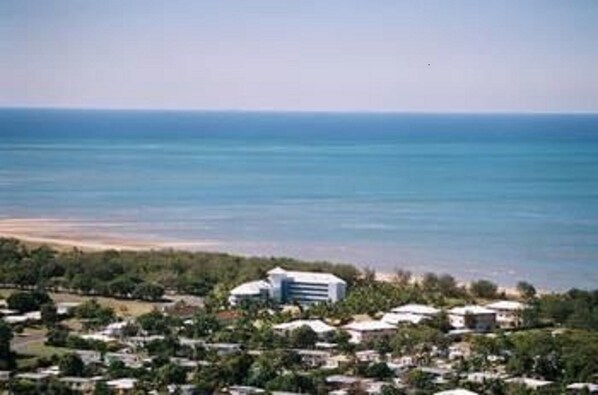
(483, 289)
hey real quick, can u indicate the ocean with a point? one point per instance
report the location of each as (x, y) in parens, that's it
(506, 197)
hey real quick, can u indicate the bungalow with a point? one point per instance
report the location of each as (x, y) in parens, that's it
(337, 361)
(532, 384)
(366, 331)
(84, 385)
(582, 388)
(482, 377)
(456, 391)
(403, 318)
(5, 311)
(36, 378)
(477, 318)
(115, 328)
(182, 389)
(440, 375)
(417, 309)
(66, 308)
(508, 313)
(313, 358)
(224, 348)
(342, 381)
(123, 385)
(244, 390)
(318, 326)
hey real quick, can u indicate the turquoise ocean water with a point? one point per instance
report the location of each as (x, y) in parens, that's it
(506, 197)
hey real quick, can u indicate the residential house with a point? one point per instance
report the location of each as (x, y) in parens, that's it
(473, 317)
(366, 331)
(318, 326)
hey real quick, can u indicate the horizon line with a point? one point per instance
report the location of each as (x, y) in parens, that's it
(306, 111)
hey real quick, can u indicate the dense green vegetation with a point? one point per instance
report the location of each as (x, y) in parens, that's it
(140, 275)
(145, 275)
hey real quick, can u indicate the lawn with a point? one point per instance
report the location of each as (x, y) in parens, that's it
(123, 308)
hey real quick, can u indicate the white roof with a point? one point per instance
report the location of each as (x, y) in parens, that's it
(34, 315)
(470, 309)
(456, 391)
(413, 308)
(250, 288)
(364, 326)
(506, 305)
(395, 318)
(479, 377)
(531, 383)
(68, 304)
(117, 325)
(124, 384)
(579, 386)
(15, 319)
(315, 325)
(308, 277)
(97, 336)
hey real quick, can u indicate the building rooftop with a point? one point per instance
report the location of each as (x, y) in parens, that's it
(342, 379)
(315, 325)
(420, 309)
(373, 325)
(456, 391)
(123, 384)
(397, 318)
(528, 382)
(308, 277)
(506, 305)
(32, 376)
(250, 288)
(580, 386)
(470, 309)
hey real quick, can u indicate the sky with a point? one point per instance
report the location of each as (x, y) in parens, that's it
(345, 55)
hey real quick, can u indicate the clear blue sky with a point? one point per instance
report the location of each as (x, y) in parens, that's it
(301, 55)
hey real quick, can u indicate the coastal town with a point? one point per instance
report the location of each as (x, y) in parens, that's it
(291, 331)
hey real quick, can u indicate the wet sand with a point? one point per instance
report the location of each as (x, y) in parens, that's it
(73, 234)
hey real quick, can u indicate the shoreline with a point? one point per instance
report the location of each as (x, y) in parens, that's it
(65, 235)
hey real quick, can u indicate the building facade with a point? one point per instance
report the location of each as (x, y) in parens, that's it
(476, 318)
(285, 286)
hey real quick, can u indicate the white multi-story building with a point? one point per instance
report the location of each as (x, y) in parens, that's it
(508, 313)
(285, 286)
(476, 318)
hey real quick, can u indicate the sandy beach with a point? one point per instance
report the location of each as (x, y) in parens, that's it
(76, 234)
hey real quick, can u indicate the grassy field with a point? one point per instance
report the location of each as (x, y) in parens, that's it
(30, 346)
(123, 308)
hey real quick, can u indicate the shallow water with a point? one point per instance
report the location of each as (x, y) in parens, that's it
(506, 197)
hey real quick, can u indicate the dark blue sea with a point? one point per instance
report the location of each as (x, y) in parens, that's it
(503, 197)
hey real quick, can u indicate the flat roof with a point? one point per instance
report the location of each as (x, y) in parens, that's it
(471, 309)
(317, 326)
(506, 305)
(415, 308)
(364, 326)
(308, 277)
